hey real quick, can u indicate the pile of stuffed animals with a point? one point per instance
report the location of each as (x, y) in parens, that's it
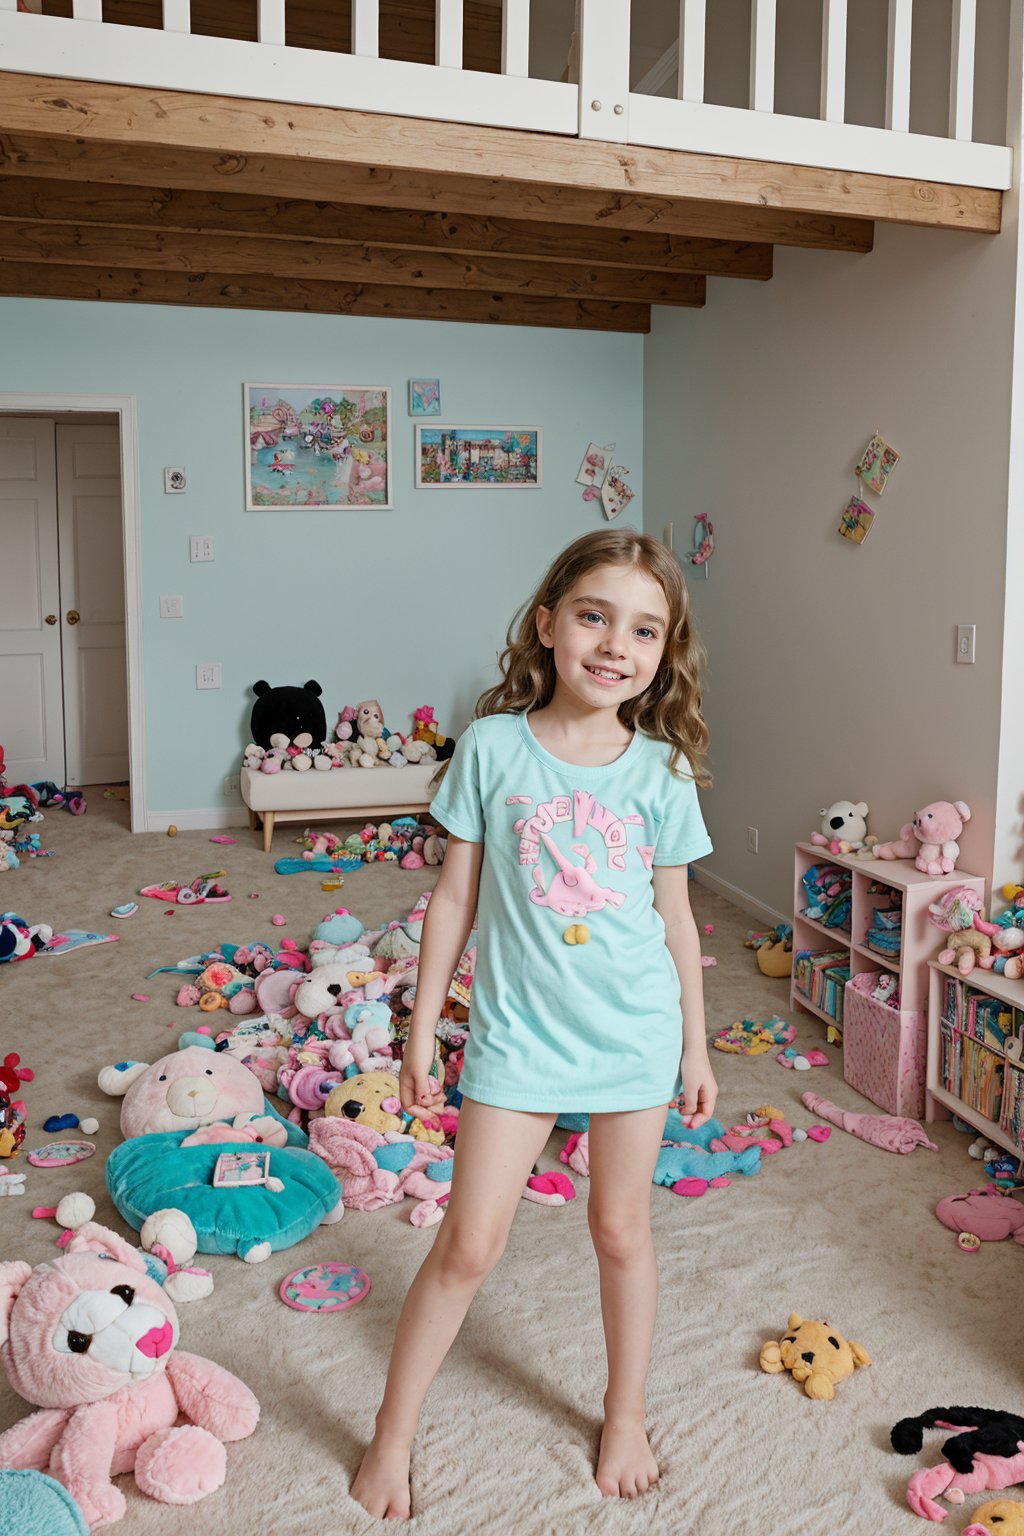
(289, 731)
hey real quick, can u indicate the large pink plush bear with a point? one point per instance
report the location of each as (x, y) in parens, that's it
(89, 1339)
(931, 838)
(203, 1091)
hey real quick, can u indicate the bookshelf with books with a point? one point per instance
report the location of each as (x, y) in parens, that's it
(861, 945)
(976, 1053)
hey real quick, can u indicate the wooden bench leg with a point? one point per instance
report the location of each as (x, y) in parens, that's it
(252, 820)
(268, 830)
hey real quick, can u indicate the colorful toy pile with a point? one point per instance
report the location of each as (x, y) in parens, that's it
(403, 840)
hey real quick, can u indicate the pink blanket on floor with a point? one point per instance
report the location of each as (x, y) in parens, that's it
(894, 1133)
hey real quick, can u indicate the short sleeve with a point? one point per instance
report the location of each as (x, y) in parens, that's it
(682, 835)
(457, 804)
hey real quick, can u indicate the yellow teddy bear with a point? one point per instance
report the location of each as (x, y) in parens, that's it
(999, 1517)
(371, 1098)
(816, 1354)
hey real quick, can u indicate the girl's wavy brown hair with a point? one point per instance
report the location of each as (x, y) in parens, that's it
(670, 708)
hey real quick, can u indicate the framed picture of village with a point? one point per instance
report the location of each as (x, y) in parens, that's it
(504, 458)
(317, 446)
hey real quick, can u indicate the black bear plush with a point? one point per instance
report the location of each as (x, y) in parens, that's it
(289, 711)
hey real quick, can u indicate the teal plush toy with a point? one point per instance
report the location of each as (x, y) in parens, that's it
(33, 1504)
(178, 1116)
(687, 1157)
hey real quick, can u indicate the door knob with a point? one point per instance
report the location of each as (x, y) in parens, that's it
(51, 618)
(73, 615)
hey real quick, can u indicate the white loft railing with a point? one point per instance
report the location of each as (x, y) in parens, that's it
(758, 132)
(600, 106)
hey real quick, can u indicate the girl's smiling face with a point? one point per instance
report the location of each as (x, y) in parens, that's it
(608, 635)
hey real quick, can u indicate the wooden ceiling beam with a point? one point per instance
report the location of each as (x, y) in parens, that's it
(232, 213)
(234, 291)
(336, 138)
(78, 160)
(288, 260)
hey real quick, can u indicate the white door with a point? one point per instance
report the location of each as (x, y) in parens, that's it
(92, 602)
(31, 725)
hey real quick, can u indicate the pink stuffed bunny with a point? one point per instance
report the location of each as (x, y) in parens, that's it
(89, 1338)
(930, 839)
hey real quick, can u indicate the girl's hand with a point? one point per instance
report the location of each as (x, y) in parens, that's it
(700, 1090)
(418, 1091)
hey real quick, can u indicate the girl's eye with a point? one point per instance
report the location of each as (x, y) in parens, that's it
(591, 615)
(647, 633)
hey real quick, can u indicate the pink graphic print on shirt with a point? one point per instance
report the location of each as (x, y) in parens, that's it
(583, 811)
(573, 892)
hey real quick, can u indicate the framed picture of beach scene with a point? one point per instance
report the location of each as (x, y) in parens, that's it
(317, 446)
(501, 458)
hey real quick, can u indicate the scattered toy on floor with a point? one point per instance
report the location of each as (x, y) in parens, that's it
(203, 888)
(790, 1056)
(324, 1288)
(126, 909)
(893, 1133)
(60, 1123)
(989, 1214)
(987, 1453)
(136, 1428)
(37, 1505)
(999, 1517)
(816, 1354)
(746, 1038)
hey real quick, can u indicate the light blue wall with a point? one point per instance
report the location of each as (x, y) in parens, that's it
(410, 605)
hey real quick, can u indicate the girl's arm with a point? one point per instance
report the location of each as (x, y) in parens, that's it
(672, 902)
(446, 927)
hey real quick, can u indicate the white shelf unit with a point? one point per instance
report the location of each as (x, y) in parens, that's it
(888, 1039)
(941, 1104)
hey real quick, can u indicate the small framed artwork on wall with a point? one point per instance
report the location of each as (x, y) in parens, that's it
(503, 458)
(317, 446)
(424, 397)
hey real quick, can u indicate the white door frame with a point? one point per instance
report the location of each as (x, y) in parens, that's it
(124, 407)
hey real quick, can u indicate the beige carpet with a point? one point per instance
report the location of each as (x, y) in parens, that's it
(842, 1231)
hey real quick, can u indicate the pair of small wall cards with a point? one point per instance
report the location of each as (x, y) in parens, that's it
(877, 463)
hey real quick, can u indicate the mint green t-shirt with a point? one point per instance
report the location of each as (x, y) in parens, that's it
(557, 1025)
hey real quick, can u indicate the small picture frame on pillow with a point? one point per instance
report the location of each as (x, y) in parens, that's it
(235, 1169)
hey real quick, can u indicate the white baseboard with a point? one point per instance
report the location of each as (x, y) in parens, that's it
(197, 821)
(741, 899)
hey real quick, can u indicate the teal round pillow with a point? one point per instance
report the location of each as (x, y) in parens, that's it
(151, 1173)
(33, 1504)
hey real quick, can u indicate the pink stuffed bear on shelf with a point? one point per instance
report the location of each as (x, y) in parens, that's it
(90, 1340)
(931, 838)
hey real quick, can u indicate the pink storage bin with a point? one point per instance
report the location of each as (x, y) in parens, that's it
(884, 1053)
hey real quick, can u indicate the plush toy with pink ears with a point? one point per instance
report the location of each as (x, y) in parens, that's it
(931, 838)
(90, 1340)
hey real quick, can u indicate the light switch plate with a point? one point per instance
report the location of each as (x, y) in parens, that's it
(208, 674)
(200, 547)
(172, 608)
(965, 644)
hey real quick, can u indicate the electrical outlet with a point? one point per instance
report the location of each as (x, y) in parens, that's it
(965, 644)
(232, 786)
(751, 839)
(208, 674)
(171, 608)
(200, 547)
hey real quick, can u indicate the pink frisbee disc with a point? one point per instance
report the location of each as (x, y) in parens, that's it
(60, 1154)
(324, 1288)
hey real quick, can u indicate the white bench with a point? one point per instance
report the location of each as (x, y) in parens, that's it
(336, 795)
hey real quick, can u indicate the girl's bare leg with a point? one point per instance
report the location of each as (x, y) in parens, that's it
(496, 1151)
(623, 1151)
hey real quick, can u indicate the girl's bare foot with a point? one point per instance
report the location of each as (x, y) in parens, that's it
(626, 1466)
(381, 1485)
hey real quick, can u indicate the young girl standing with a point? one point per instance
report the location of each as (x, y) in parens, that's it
(572, 807)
